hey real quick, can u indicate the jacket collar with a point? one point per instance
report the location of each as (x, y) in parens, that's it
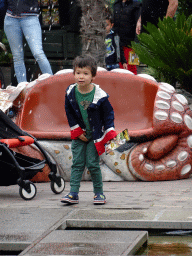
(99, 96)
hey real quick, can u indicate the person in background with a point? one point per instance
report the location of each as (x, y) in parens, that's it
(22, 18)
(152, 10)
(91, 119)
(125, 15)
(114, 53)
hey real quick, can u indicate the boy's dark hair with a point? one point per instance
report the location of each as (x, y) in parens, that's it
(85, 61)
(110, 18)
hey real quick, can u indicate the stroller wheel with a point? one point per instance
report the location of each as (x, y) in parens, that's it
(58, 187)
(29, 192)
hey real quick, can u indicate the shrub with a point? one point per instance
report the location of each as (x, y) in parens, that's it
(185, 6)
(5, 55)
(167, 49)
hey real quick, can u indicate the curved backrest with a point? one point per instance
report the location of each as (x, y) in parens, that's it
(43, 114)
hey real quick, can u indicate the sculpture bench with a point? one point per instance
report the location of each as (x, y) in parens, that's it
(132, 97)
(158, 119)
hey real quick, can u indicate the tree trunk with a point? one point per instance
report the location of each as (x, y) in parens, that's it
(93, 29)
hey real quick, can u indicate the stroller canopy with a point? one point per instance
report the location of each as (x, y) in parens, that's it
(8, 129)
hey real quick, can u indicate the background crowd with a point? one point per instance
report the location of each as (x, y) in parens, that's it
(127, 19)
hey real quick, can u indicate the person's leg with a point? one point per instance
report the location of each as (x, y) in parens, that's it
(33, 34)
(92, 163)
(14, 35)
(132, 68)
(78, 148)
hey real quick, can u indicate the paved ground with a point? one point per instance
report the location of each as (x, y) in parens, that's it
(130, 205)
(44, 226)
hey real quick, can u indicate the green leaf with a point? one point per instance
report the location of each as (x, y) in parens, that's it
(167, 48)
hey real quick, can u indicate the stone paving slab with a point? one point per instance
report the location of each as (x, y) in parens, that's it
(158, 218)
(131, 224)
(113, 214)
(90, 242)
(155, 204)
(29, 220)
(21, 226)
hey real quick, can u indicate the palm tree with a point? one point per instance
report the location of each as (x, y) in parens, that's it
(93, 29)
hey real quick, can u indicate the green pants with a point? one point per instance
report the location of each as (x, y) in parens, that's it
(85, 154)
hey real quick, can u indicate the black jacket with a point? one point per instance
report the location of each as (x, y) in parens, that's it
(153, 10)
(115, 52)
(22, 7)
(3, 9)
(125, 19)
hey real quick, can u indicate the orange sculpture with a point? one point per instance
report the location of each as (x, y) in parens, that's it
(158, 119)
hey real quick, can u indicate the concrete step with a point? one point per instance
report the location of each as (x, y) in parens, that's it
(128, 224)
(140, 219)
(90, 242)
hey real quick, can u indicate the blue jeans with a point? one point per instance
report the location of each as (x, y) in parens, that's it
(113, 66)
(30, 27)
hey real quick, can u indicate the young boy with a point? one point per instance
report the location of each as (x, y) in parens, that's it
(91, 119)
(114, 53)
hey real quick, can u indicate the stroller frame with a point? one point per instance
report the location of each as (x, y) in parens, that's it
(18, 138)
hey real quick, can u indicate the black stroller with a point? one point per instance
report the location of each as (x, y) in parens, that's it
(17, 168)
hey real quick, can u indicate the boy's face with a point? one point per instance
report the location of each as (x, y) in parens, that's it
(83, 76)
(109, 26)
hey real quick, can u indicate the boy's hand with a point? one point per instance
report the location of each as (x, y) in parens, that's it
(138, 26)
(125, 65)
(83, 138)
(107, 149)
